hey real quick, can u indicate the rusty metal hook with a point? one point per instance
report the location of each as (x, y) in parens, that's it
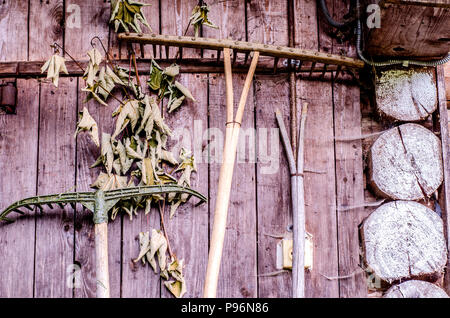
(101, 43)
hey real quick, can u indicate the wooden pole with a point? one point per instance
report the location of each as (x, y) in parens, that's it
(298, 256)
(226, 174)
(101, 245)
(298, 203)
(101, 258)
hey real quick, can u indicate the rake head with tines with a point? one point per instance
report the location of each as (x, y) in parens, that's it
(99, 202)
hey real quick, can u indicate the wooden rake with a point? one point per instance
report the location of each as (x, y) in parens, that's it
(99, 202)
(226, 172)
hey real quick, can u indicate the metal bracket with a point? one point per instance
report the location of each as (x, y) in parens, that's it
(284, 253)
(8, 96)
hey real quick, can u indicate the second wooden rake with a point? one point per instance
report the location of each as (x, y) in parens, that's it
(226, 172)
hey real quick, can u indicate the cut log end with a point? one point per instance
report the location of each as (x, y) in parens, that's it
(406, 163)
(406, 95)
(404, 240)
(415, 289)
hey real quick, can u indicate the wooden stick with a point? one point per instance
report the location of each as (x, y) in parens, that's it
(229, 84)
(298, 257)
(298, 203)
(101, 257)
(225, 179)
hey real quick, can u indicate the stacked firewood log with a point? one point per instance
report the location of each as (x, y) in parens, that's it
(403, 240)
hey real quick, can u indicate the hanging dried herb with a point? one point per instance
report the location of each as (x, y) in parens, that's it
(199, 17)
(126, 14)
(87, 123)
(164, 84)
(54, 66)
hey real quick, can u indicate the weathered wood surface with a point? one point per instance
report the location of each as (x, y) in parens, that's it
(46, 20)
(174, 21)
(18, 163)
(13, 18)
(56, 174)
(83, 21)
(422, 33)
(188, 229)
(260, 203)
(319, 156)
(349, 173)
(274, 214)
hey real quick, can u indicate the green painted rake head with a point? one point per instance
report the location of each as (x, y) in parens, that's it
(99, 202)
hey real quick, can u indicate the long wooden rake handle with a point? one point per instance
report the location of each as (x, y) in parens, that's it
(226, 173)
(101, 260)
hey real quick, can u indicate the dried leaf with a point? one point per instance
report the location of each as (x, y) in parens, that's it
(107, 182)
(155, 78)
(184, 90)
(87, 123)
(127, 13)
(54, 66)
(187, 166)
(144, 245)
(175, 103)
(95, 58)
(158, 245)
(147, 172)
(177, 288)
(168, 156)
(172, 70)
(107, 152)
(131, 153)
(199, 16)
(129, 113)
(124, 160)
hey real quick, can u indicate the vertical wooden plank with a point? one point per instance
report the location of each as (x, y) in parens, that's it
(87, 153)
(188, 229)
(229, 16)
(14, 37)
(84, 20)
(46, 22)
(349, 172)
(238, 272)
(350, 189)
(138, 280)
(18, 163)
(444, 193)
(119, 50)
(174, 21)
(54, 229)
(267, 23)
(273, 184)
(319, 156)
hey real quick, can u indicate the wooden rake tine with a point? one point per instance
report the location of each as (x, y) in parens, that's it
(226, 172)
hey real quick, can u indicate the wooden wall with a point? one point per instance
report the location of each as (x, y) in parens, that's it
(39, 155)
